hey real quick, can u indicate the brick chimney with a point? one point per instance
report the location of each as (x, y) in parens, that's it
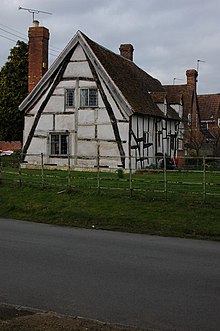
(37, 54)
(191, 75)
(126, 50)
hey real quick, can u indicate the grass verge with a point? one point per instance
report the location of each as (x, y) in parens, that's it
(176, 217)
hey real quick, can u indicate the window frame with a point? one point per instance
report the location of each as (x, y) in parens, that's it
(53, 147)
(86, 101)
(67, 98)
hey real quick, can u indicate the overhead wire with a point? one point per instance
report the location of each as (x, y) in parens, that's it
(19, 35)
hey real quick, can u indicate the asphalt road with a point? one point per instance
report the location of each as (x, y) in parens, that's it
(139, 280)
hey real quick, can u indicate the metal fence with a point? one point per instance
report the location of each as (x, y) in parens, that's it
(192, 177)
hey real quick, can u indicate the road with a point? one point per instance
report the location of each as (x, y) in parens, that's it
(139, 280)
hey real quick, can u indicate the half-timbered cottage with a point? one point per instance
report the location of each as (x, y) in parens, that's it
(96, 108)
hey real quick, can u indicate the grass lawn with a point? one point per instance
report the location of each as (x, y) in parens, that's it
(88, 209)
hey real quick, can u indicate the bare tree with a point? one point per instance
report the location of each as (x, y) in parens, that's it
(194, 139)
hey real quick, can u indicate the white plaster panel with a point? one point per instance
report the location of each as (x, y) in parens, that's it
(108, 149)
(27, 126)
(45, 123)
(105, 132)
(134, 124)
(78, 54)
(65, 84)
(86, 116)
(103, 116)
(38, 146)
(65, 122)
(140, 126)
(86, 132)
(55, 104)
(124, 131)
(78, 69)
(38, 104)
(86, 84)
(91, 163)
(117, 112)
(87, 148)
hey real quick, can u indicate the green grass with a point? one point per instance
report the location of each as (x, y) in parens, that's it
(88, 209)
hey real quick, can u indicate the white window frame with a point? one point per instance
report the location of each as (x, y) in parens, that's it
(87, 99)
(56, 148)
(69, 98)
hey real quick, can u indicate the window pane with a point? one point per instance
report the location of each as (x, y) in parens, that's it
(59, 144)
(64, 144)
(70, 98)
(55, 144)
(93, 97)
(84, 97)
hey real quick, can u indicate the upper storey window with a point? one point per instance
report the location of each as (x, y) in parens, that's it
(88, 97)
(69, 98)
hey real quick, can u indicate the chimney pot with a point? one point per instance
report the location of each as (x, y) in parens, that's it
(35, 23)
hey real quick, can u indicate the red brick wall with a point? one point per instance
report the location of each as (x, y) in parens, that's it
(38, 55)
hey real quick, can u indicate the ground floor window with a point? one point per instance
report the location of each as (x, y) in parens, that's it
(59, 144)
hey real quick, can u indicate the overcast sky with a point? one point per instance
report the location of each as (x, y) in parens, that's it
(168, 36)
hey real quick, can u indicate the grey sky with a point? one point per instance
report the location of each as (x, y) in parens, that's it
(169, 36)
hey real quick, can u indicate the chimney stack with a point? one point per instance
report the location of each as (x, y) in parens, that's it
(192, 75)
(37, 54)
(126, 50)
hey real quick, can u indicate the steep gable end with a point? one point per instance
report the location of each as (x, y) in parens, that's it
(129, 84)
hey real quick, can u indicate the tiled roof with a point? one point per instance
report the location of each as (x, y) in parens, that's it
(133, 82)
(158, 97)
(209, 106)
(174, 98)
(10, 145)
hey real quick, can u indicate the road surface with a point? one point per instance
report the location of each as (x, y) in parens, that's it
(139, 280)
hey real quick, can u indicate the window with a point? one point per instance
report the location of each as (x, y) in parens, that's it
(69, 98)
(88, 97)
(59, 144)
(180, 144)
(172, 142)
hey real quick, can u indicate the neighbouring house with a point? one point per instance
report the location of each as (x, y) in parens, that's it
(9, 147)
(209, 108)
(94, 108)
(183, 98)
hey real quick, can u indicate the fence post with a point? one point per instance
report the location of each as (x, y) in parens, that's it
(130, 177)
(165, 175)
(204, 178)
(98, 167)
(42, 170)
(69, 174)
(19, 169)
(1, 169)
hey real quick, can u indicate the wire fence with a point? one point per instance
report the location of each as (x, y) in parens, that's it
(197, 178)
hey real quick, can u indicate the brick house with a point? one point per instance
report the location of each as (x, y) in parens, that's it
(209, 109)
(183, 98)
